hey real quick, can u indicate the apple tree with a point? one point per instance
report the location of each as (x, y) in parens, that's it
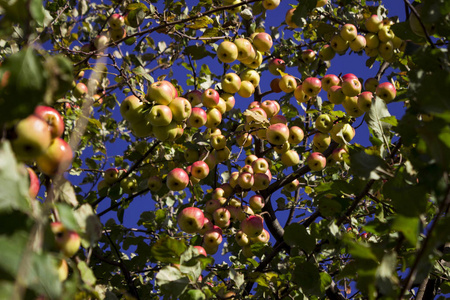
(224, 149)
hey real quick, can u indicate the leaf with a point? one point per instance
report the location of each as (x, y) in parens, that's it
(307, 276)
(302, 11)
(67, 216)
(189, 264)
(378, 111)
(409, 226)
(368, 166)
(172, 281)
(198, 52)
(256, 117)
(359, 250)
(386, 275)
(65, 193)
(89, 224)
(167, 250)
(200, 23)
(141, 72)
(296, 235)
(86, 273)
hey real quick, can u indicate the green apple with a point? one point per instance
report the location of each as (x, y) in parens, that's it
(241, 238)
(245, 49)
(159, 115)
(296, 135)
(32, 138)
(324, 123)
(336, 95)
(386, 34)
(290, 158)
(213, 118)
(142, 128)
(246, 89)
(129, 185)
(250, 75)
(270, 4)
(181, 109)
(288, 83)
(218, 141)
(300, 95)
(327, 53)
(191, 155)
(56, 159)
(348, 32)
(350, 105)
(371, 84)
(227, 52)
(358, 44)
(321, 140)
(386, 50)
(338, 44)
(372, 40)
(132, 109)
(154, 183)
(342, 133)
(231, 83)
(308, 56)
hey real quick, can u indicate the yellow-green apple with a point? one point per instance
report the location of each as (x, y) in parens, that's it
(290, 158)
(200, 169)
(191, 219)
(288, 18)
(116, 21)
(250, 159)
(358, 44)
(244, 140)
(245, 49)
(102, 188)
(154, 183)
(386, 50)
(231, 83)
(321, 140)
(111, 175)
(278, 119)
(270, 107)
(270, 4)
(246, 89)
(328, 81)
(197, 118)
(213, 118)
(252, 226)
(80, 90)
(348, 32)
(336, 95)
(159, 115)
(34, 186)
(161, 92)
(397, 42)
(386, 91)
(177, 179)
(53, 119)
(312, 86)
(222, 154)
(229, 101)
(63, 270)
(292, 186)
(256, 203)
(264, 237)
(338, 154)
(338, 44)
(324, 123)
(296, 135)
(210, 98)
(194, 97)
(374, 23)
(255, 61)
(219, 192)
(211, 161)
(262, 42)
(275, 85)
(260, 182)
(56, 158)
(250, 75)
(132, 109)
(371, 84)
(371, 52)
(67, 241)
(32, 138)
(327, 53)
(141, 128)
(308, 56)
(280, 149)
(117, 34)
(316, 161)
(245, 180)
(260, 165)
(277, 134)
(372, 40)
(350, 105)
(342, 133)
(246, 169)
(212, 205)
(386, 34)
(351, 87)
(212, 238)
(218, 141)
(129, 185)
(207, 224)
(101, 41)
(210, 249)
(222, 217)
(181, 109)
(275, 65)
(300, 95)
(227, 52)
(241, 238)
(288, 83)
(365, 101)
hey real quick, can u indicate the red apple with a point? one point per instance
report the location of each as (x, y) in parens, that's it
(177, 179)
(191, 219)
(53, 119)
(32, 138)
(252, 226)
(68, 241)
(316, 161)
(311, 86)
(33, 190)
(56, 158)
(200, 169)
(386, 91)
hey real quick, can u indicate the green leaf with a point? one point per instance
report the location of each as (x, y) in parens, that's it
(296, 235)
(386, 275)
(409, 226)
(378, 111)
(167, 250)
(359, 250)
(86, 273)
(65, 192)
(172, 281)
(368, 166)
(307, 276)
(189, 264)
(198, 52)
(67, 216)
(303, 10)
(89, 224)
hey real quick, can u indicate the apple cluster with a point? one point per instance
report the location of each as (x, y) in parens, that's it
(37, 138)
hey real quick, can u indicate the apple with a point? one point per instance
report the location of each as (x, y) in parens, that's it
(386, 91)
(371, 84)
(262, 42)
(222, 217)
(259, 111)
(244, 140)
(245, 180)
(218, 141)
(270, 4)
(194, 97)
(222, 154)
(111, 175)
(177, 179)
(342, 133)
(117, 34)
(321, 3)
(129, 185)
(328, 81)
(371, 52)
(252, 226)
(288, 18)
(386, 34)
(34, 185)
(161, 92)
(300, 95)
(63, 270)
(278, 119)
(229, 101)
(316, 161)
(338, 154)
(256, 203)
(288, 83)
(327, 53)
(336, 95)
(154, 183)
(308, 56)
(247, 89)
(292, 186)
(32, 138)
(245, 49)
(372, 41)
(212, 238)
(53, 119)
(348, 32)
(358, 44)
(132, 109)
(181, 109)
(264, 237)
(254, 62)
(324, 123)
(207, 225)
(290, 158)
(365, 101)
(350, 105)
(141, 128)
(201, 251)
(275, 85)
(241, 238)
(80, 90)
(296, 135)
(159, 115)
(338, 44)
(213, 118)
(351, 87)
(386, 50)
(211, 161)
(116, 21)
(280, 149)
(250, 159)
(246, 169)
(374, 23)
(277, 134)
(197, 118)
(212, 205)
(231, 83)
(275, 65)
(321, 140)
(68, 241)
(260, 182)
(397, 42)
(191, 219)
(210, 98)
(56, 158)
(270, 107)
(227, 52)
(260, 165)
(200, 169)
(312, 86)
(251, 75)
